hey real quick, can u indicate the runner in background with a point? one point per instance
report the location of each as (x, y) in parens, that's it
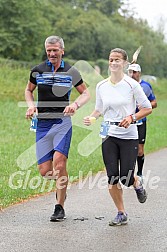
(134, 71)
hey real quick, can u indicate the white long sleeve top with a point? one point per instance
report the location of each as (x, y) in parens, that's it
(116, 101)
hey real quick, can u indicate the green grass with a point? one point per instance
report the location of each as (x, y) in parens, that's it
(156, 129)
(18, 184)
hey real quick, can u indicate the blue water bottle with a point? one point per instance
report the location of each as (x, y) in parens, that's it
(34, 121)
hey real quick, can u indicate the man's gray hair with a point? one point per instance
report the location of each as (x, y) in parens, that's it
(54, 40)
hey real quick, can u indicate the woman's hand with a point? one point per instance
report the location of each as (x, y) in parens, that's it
(88, 120)
(126, 122)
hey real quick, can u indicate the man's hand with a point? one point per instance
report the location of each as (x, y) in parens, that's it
(30, 112)
(70, 110)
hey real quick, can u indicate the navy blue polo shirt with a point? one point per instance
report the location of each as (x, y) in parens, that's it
(54, 88)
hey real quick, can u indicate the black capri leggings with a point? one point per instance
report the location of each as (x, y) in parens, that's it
(119, 156)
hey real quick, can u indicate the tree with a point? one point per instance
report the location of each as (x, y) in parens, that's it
(90, 29)
(107, 7)
(22, 26)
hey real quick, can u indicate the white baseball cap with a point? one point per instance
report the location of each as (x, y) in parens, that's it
(134, 67)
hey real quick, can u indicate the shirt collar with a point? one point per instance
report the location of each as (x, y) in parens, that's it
(50, 64)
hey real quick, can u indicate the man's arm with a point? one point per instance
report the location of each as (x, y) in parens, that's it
(30, 99)
(80, 101)
(153, 103)
(151, 96)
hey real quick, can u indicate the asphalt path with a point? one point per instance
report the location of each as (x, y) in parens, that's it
(26, 226)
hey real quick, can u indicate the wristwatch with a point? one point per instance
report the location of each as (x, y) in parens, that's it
(134, 118)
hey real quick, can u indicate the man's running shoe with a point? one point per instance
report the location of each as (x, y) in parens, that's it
(59, 213)
(141, 194)
(120, 219)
